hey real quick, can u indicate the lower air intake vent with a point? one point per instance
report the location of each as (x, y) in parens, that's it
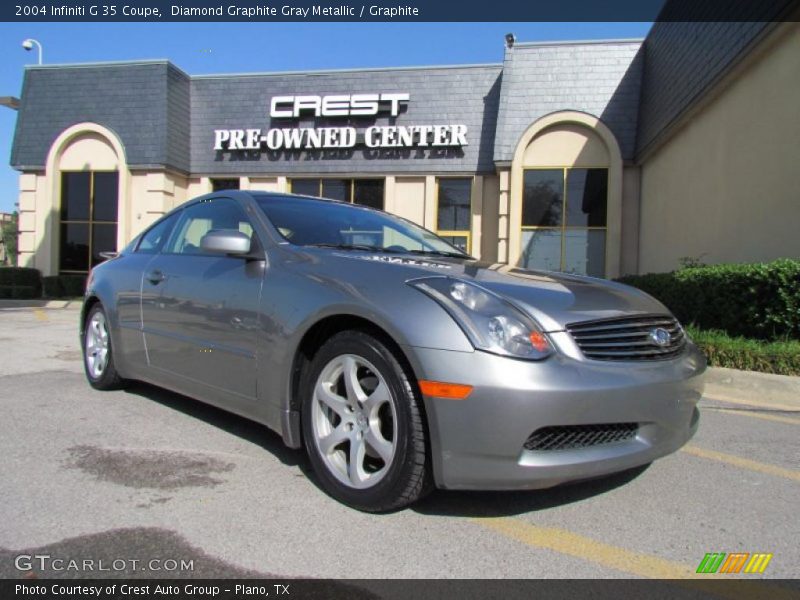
(570, 437)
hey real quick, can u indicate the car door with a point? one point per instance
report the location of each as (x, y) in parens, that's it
(200, 309)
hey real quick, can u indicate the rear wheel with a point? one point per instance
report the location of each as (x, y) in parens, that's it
(362, 425)
(98, 355)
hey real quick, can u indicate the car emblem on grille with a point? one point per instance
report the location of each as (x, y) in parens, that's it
(660, 336)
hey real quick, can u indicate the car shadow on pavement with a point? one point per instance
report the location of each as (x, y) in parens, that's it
(440, 502)
(239, 426)
(452, 503)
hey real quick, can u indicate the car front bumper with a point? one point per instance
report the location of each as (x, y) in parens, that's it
(478, 443)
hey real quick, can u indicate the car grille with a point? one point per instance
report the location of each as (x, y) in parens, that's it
(570, 437)
(628, 338)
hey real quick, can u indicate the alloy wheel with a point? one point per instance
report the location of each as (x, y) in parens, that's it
(97, 345)
(354, 421)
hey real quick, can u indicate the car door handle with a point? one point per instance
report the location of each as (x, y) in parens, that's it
(155, 277)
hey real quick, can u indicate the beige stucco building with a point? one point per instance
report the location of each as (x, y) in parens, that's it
(600, 158)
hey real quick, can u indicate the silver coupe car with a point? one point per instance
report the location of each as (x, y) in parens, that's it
(399, 362)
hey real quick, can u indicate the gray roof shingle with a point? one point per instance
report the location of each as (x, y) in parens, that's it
(599, 78)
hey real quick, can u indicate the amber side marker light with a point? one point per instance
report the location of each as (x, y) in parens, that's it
(539, 341)
(451, 391)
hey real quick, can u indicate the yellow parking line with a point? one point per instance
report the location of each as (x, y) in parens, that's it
(758, 415)
(629, 561)
(40, 314)
(757, 403)
(742, 463)
(573, 544)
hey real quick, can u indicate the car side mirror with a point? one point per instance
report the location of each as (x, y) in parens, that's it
(225, 241)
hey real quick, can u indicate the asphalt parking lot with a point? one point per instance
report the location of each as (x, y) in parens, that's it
(145, 473)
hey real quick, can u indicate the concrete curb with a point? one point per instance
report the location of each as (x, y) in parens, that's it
(748, 385)
(70, 303)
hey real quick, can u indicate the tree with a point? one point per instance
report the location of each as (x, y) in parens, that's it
(8, 241)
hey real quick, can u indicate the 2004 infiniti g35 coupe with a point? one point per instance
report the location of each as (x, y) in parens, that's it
(400, 363)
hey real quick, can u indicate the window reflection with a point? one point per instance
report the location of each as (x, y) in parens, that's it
(585, 252)
(541, 249)
(543, 197)
(587, 191)
(564, 220)
(454, 210)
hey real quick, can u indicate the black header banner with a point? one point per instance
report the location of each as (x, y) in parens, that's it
(396, 10)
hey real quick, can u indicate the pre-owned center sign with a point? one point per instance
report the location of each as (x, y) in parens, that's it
(340, 105)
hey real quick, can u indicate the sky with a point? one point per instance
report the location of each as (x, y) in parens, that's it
(202, 48)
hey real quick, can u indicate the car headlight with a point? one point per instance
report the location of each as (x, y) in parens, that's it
(491, 323)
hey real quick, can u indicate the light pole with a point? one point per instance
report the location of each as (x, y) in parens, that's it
(28, 45)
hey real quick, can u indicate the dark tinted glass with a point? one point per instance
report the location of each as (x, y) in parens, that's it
(305, 187)
(368, 192)
(336, 189)
(542, 197)
(153, 240)
(218, 185)
(454, 205)
(74, 247)
(104, 207)
(104, 239)
(587, 194)
(75, 190)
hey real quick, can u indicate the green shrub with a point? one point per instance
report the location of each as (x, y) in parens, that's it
(722, 350)
(20, 283)
(759, 300)
(64, 286)
(51, 287)
(74, 285)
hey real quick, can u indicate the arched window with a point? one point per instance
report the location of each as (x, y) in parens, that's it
(566, 197)
(87, 172)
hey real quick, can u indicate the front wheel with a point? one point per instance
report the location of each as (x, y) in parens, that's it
(362, 425)
(98, 355)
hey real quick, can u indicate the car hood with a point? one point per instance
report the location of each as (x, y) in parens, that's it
(553, 299)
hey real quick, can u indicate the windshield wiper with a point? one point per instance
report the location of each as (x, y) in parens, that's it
(365, 247)
(439, 253)
(370, 248)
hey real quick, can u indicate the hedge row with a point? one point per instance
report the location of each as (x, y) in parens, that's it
(64, 286)
(722, 350)
(760, 300)
(20, 283)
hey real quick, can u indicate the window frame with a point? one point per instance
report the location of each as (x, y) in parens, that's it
(177, 215)
(90, 222)
(350, 180)
(445, 233)
(255, 242)
(223, 189)
(563, 228)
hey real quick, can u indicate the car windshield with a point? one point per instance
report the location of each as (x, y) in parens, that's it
(311, 222)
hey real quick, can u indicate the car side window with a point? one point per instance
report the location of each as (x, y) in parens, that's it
(154, 238)
(199, 219)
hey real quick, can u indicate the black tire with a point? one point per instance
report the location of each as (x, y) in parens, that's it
(107, 378)
(407, 476)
